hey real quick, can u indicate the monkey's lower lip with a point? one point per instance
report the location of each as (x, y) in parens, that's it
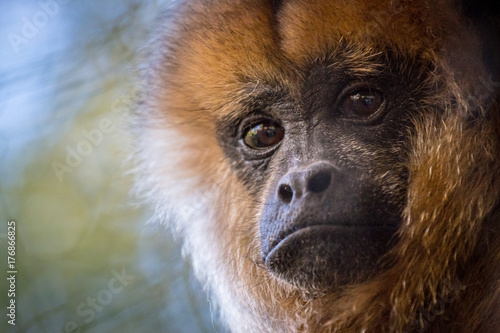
(323, 255)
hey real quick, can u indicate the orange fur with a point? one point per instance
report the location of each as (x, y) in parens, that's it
(215, 53)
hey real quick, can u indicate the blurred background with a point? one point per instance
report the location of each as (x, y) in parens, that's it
(86, 259)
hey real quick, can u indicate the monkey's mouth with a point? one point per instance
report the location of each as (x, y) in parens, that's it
(327, 256)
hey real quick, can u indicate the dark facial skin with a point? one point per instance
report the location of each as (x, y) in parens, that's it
(333, 159)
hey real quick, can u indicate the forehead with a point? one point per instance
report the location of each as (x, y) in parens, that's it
(221, 49)
(310, 28)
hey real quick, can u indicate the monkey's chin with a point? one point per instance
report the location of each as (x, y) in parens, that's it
(326, 257)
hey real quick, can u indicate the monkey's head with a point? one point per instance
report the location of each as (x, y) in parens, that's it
(292, 143)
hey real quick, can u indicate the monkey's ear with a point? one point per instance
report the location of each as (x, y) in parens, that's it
(485, 15)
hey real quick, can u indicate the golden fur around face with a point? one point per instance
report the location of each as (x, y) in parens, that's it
(207, 57)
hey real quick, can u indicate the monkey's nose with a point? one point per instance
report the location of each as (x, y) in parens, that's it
(315, 178)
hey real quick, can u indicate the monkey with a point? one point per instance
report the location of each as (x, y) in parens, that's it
(331, 166)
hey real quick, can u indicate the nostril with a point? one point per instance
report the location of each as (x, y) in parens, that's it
(319, 182)
(285, 193)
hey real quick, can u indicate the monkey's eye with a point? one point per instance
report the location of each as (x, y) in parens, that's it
(361, 104)
(263, 134)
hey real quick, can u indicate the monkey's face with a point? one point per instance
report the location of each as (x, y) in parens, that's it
(327, 162)
(303, 114)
